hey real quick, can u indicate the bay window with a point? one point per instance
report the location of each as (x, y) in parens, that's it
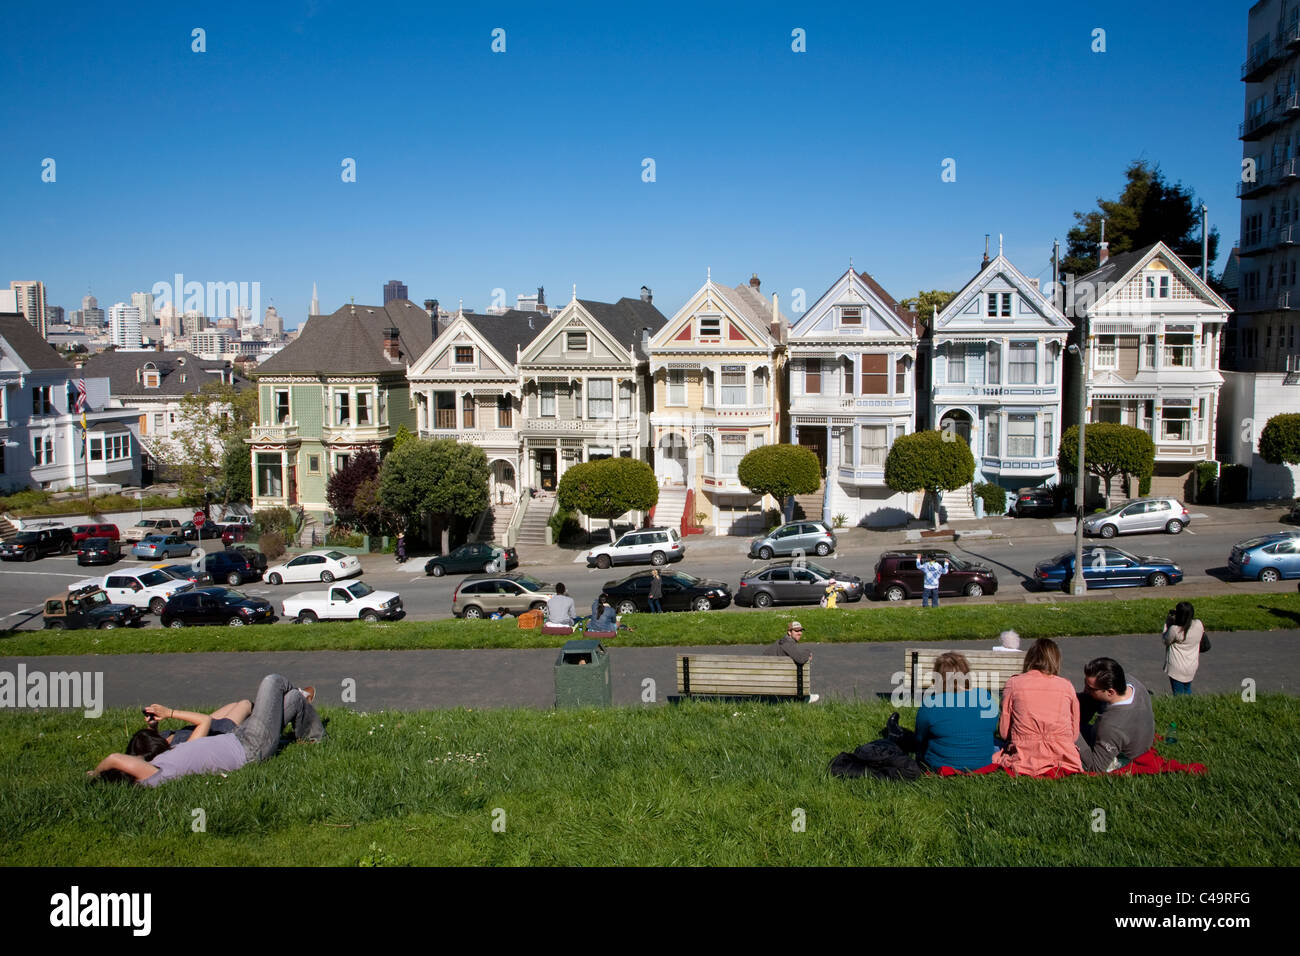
(1022, 364)
(733, 449)
(600, 398)
(1020, 436)
(875, 446)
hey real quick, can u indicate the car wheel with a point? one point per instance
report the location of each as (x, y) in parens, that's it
(108, 625)
(762, 599)
(473, 612)
(1269, 575)
(491, 566)
(370, 617)
(438, 571)
(602, 562)
(541, 605)
(626, 607)
(658, 559)
(326, 576)
(306, 617)
(702, 604)
(233, 579)
(176, 622)
(765, 553)
(974, 590)
(1174, 526)
(55, 626)
(29, 556)
(275, 579)
(894, 593)
(156, 606)
(64, 548)
(236, 622)
(1108, 531)
(822, 549)
(1158, 580)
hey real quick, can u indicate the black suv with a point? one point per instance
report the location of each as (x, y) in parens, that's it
(216, 606)
(898, 577)
(30, 545)
(230, 566)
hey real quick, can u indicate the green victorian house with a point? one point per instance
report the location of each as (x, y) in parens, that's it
(338, 389)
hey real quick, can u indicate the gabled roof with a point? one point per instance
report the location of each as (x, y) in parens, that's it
(748, 309)
(26, 343)
(755, 307)
(509, 332)
(1000, 267)
(1117, 270)
(122, 370)
(854, 285)
(351, 341)
(625, 319)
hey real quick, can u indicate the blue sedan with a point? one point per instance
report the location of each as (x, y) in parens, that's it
(1269, 558)
(1107, 567)
(162, 546)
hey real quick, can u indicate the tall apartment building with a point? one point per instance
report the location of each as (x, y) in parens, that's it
(393, 289)
(30, 296)
(54, 315)
(144, 302)
(91, 316)
(124, 326)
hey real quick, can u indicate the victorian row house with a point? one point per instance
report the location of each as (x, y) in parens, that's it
(852, 357)
(990, 372)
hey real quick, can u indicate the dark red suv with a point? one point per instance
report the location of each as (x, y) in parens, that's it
(898, 577)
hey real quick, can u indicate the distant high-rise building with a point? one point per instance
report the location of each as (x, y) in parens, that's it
(54, 315)
(193, 323)
(210, 343)
(124, 326)
(144, 302)
(169, 319)
(393, 289)
(31, 302)
(273, 322)
(90, 316)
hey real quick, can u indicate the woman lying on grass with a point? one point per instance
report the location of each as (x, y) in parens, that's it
(278, 703)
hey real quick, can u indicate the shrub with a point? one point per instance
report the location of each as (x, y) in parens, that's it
(271, 544)
(1206, 473)
(1144, 486)
(564, 525)
(609, 487)
(993, 496)
(840, 520)
(276, 520)
(341, 537)
(1279, 441)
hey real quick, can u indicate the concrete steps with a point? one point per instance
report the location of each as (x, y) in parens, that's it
(809, 506)
(532, 530)
(957, 505)
(668, 512)
(7, 529)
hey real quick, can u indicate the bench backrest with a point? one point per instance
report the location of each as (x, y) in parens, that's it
(754, 674)
(989, 669)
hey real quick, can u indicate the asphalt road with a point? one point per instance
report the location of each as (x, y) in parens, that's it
(1202, 552)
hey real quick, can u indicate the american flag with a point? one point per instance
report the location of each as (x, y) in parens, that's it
(81, 394)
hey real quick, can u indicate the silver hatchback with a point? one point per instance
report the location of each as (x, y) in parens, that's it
(1144, 514)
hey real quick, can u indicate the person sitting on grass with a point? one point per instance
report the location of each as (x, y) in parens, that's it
(603, 617)
(956, 722)
(1125, 726)
(1040, 716)
(560, 609)
(277, 703)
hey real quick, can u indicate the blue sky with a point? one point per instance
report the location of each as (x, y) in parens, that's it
(479, 170)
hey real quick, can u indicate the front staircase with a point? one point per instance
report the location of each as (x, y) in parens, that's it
(532, 530)
(495, 523)
(809, 507)
(672, 503)
(957, 505)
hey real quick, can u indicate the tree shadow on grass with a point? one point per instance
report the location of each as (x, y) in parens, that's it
(1292, 616)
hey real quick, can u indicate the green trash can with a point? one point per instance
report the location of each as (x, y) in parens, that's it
(582, 677)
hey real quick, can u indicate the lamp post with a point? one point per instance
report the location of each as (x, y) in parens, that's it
(1078, 585)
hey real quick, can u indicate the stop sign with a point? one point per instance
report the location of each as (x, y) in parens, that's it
(199, 519)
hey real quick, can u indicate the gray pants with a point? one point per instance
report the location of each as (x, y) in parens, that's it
(278, 703)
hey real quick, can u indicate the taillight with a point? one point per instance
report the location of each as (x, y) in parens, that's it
(1245, 559)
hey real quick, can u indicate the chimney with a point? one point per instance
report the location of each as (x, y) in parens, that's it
(645, 339)
(646, 296)
(391, 345)
(431, 307)
(753, 281)
(541, 300)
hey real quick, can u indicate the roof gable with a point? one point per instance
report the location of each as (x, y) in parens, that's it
(1031, 310)
(613, 330)
(497, 337)
(1119, 283)
(24, 347)
(351, 341)
(736, 325)
(878, 315)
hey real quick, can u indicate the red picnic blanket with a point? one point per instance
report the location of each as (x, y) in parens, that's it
(1149, 762)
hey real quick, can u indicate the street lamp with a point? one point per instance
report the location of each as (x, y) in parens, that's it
(1079, 586)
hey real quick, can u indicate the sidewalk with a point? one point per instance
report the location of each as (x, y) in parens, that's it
(425, 680)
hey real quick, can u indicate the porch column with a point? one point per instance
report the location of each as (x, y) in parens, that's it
(830, 454)
(284, 474)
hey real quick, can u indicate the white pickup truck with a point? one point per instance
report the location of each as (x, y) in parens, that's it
(347, 602)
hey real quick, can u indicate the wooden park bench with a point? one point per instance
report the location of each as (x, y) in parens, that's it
(992, 667)
(736, 677)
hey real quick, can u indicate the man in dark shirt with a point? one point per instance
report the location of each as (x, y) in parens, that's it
(1125, 727)
(788, 646)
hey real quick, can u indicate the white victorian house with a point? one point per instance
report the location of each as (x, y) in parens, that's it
(992, 364)
(851, 361)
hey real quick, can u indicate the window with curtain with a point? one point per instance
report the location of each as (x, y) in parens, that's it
(708, 455)
(600, 398)
(708, 386)
(847, 367)
(363, 408)
(875, 445)
(956, 364)
(677, 386)
(1020, 436)
(993, 358)
(993, 435)
(760, 386)
(546, 395)
(504, 411)
(1022, 363)
(1048, 442)
(342, 411)
(733, 449)
(734, 391)
(875, 374)
(900, 377)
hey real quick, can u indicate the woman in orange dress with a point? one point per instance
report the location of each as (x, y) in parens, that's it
(1040, 716)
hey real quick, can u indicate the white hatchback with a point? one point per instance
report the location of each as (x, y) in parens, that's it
(144, 589)
(315, 566)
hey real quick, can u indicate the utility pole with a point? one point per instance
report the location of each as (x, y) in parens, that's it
(1205, 247)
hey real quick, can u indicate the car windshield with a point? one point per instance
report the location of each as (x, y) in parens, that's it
(360, 589)
(95, 598)
(681, 577)
(152, 578)
(154, 539)
(233, 597)
(531, 584)
(335, 555)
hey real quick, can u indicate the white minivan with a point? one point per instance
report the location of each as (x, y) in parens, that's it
(655, 546)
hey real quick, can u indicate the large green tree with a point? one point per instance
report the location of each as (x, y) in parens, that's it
(608, 488)
(208, 423)
(1279, 442)
(1109, 450)
(1149, 209)
(440, 479)
(780, 471)
(931, 462)
(926, 304)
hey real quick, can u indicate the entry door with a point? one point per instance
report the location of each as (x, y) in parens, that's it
(814, 439)
(546, 468)
(293, 484)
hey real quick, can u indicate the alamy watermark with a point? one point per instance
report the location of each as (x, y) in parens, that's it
(56, 689)
(215, 299)
(932, 687)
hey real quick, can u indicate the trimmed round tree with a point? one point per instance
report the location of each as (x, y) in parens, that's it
(930, 462)
(608, 487)
(1279, 442)
(780, 471)
(1109, 450)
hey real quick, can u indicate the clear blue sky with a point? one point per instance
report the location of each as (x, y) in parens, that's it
(478, 170)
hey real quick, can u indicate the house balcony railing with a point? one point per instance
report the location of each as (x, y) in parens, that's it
(628, 427)
(475, 436)
(1027, 465)
(283, 434)
(355, 434)
(1259, 65)
(863, 474)
(1255, 127)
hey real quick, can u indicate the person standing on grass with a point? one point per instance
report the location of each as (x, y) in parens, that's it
(933, 571)
(1182, 637)
(656, 592)
(1040, 716)
(1125, 726)
(788, 646)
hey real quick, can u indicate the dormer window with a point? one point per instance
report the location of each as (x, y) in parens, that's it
(999, 304)
(151, 378)
(851, 316)
(710, 327)
(575, 341)
(464, 355)
(1157, 286)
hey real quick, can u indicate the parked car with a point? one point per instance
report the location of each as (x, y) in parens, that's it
(1144, 514)
(655, 546)
(162, 546)
(1107, 567)
(233, 567)
(147, 526)
(83, 531)
(99, 551)
(476, 556)
(229, 518)
(208, 532)
(254, 557)
(805, 537)
(481, 594)
(682, 592)
(185, 572)
(231, 533)
(216, 606)
(1268, 558)
(324, 566)
(88, 606)
(30, 545)
(898, 577)
(343, 602)
(149, 588)
(792, 582)
(1034, 502)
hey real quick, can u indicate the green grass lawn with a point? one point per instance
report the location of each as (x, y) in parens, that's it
(860, 622)
(715, 784)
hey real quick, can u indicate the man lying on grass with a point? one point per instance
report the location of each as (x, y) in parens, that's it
(278, 703)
